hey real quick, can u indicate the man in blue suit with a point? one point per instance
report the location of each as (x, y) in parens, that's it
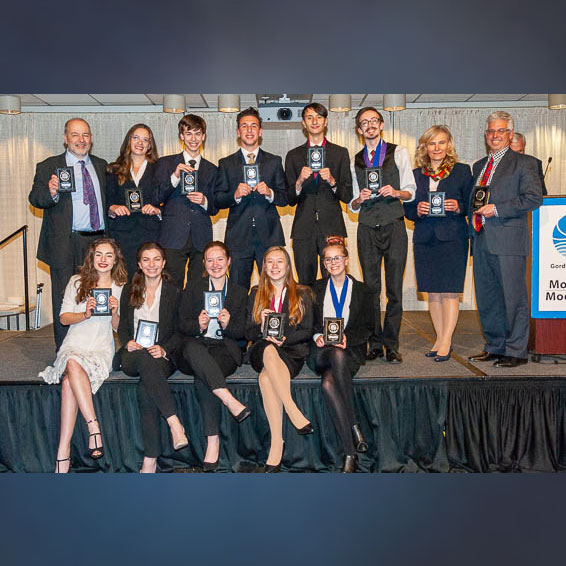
(186, 227)
(253, 221)
(500, 244)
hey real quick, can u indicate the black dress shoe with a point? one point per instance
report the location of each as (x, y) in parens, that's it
(359, 441)
(242, 415)
(350, 464)
(307, 429)
(484, 357)
(374, 353)
(393, 357)
(510, 362)
(210, 466)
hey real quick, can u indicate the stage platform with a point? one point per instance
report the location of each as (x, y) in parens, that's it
(417, 416)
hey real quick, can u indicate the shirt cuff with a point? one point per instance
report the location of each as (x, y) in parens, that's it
(495, 211)
(238, 200)
(315, 336)
(174, 180)
(205, 204)
(55, 197)
(272, 197)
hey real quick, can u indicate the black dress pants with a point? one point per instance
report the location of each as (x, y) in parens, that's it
(307, 253)
(154, 395)
(177, 261)
(387, 244)
(210, 361)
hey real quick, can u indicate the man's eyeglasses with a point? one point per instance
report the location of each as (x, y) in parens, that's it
(500, 131)
(365, 123)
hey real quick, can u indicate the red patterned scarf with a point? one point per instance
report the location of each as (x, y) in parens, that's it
(441, 173)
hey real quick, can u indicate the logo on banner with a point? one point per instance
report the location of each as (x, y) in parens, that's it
(559, 236)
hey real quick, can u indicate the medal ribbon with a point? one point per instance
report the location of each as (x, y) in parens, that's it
(378, 158)
(338, 304)
(281, 299)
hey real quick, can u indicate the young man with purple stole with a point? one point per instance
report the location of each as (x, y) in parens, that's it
(381, 227)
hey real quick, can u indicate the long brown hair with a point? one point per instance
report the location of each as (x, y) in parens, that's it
(88, 276)
(297, 294)
(121, 167)
(137, 286)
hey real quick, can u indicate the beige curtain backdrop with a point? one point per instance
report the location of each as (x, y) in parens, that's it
(28, 138)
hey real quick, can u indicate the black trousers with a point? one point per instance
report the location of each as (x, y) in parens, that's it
(307, 253)
(60, 277)
(210, 362)
(387, 244)
(154, 395)
(243, 260)
(177, 261)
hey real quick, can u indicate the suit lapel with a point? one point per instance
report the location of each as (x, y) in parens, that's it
(503, 167)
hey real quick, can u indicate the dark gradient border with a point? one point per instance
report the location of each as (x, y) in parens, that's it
(356, 46)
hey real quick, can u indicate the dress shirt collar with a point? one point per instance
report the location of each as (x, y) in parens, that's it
(72, 159)
(188, 158)
(246, 153)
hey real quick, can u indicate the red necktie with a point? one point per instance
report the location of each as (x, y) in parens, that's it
(478, 218)
(371, 154)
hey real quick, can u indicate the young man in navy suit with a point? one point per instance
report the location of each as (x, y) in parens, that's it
(71, 220)
(186, 227)
(317, 194)
(500, 244)
(382, 236)
(253, 221)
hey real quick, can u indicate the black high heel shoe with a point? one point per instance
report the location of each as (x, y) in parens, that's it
(98, 451)
(359, 440)
(270, 468)
(350, 464)
(57, 471)
(208, 467)
(307, 429)
(431, 354)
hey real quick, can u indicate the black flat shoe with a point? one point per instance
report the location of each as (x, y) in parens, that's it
(242, 415)
(484, 357)
(359, 441)
(431, 354)
(98, 451)
(510, 362)
(374, 353)
(307, 429)
(350, 464)
(444, 358)
(210, 466)
(393, 357)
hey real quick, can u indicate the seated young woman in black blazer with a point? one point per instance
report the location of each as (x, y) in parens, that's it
(151, 296)
(211, 351)
(277, 361)
(341, 296)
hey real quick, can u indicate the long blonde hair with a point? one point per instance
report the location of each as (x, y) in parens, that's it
(421, 154)
(297, 294)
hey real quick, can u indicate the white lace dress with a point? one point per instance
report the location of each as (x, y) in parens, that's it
(90, 342)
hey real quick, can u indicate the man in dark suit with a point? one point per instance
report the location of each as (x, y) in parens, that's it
(186, 226)
(253, 221)
(500, 244)
(382, 236)
(317, 194)
(518, 144)
(71, 220)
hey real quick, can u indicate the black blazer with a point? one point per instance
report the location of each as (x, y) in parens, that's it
(254, 205)
(458, 185)
(54, 246)
(181, 217)
(316, 195)
(168, 338)
(360, 322)
(297, 338)
(192, 303)
(515, 190)
(136, 223)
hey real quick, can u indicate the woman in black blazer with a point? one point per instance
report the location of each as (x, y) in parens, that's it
(133, 170)
(211, 351)
(440, 244)
(341, 296)
(277, 361)
(151, 297)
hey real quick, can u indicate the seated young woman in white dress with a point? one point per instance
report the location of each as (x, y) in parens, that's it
(84, 360)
